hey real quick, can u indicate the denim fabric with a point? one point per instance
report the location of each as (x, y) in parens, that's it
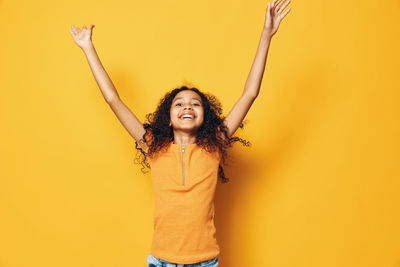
(156, 262)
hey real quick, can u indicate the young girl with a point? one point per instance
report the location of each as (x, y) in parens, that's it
(185, 140)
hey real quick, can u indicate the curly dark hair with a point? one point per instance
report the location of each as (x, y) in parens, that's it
(157, 124)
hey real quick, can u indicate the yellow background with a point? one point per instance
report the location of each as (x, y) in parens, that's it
(318, 188)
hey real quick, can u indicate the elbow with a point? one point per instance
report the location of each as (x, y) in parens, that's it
(111, 99)
(251, 95)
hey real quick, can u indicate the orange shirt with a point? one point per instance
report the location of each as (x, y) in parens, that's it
(184, 179)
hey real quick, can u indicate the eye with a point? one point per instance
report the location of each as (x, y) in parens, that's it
(178, 104)
(197, 104)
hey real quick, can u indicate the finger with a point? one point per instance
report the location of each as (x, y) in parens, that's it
(283, 7)
(279, 5)
(73, 29)
(77, 30)
(284, 14)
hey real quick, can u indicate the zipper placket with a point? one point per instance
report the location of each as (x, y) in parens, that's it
(183, 159)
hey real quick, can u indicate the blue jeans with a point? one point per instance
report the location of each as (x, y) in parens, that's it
(156, 262)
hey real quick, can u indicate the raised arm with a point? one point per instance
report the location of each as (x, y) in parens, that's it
(251, 90)
(83, 38)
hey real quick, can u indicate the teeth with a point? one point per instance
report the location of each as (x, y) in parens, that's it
(187, 117)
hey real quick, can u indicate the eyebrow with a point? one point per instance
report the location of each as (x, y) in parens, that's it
(192, 98)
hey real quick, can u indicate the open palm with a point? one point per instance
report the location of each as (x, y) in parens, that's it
(273, 15)
(82, 37)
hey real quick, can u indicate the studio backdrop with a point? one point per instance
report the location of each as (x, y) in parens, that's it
(318, 187)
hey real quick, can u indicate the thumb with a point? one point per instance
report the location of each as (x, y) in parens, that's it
(91, 26)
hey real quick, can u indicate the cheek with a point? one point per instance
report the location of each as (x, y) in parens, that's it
(201, 116)
(173, 113)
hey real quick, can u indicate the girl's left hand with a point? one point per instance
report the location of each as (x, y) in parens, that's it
(273, 17)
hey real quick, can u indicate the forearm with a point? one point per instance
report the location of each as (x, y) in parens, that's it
(103, 80)
(253, 82)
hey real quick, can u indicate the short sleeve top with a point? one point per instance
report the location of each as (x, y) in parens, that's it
(184, 179)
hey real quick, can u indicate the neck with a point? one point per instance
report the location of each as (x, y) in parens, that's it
(182, 139)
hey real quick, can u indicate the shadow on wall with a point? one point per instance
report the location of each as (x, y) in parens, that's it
(305, 108)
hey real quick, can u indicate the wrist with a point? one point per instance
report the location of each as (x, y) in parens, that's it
(267, 33)
(87, 47)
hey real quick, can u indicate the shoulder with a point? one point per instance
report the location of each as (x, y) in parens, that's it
(212, 154)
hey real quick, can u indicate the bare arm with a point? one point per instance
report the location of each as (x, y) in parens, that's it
(103, 80)
(130, 122)
(253, 83)
(251, 88)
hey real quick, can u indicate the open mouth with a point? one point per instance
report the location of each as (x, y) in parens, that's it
(187, 117)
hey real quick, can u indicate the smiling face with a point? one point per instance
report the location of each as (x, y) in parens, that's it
(186, 113)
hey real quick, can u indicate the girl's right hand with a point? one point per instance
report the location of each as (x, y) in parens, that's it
(83, 38)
